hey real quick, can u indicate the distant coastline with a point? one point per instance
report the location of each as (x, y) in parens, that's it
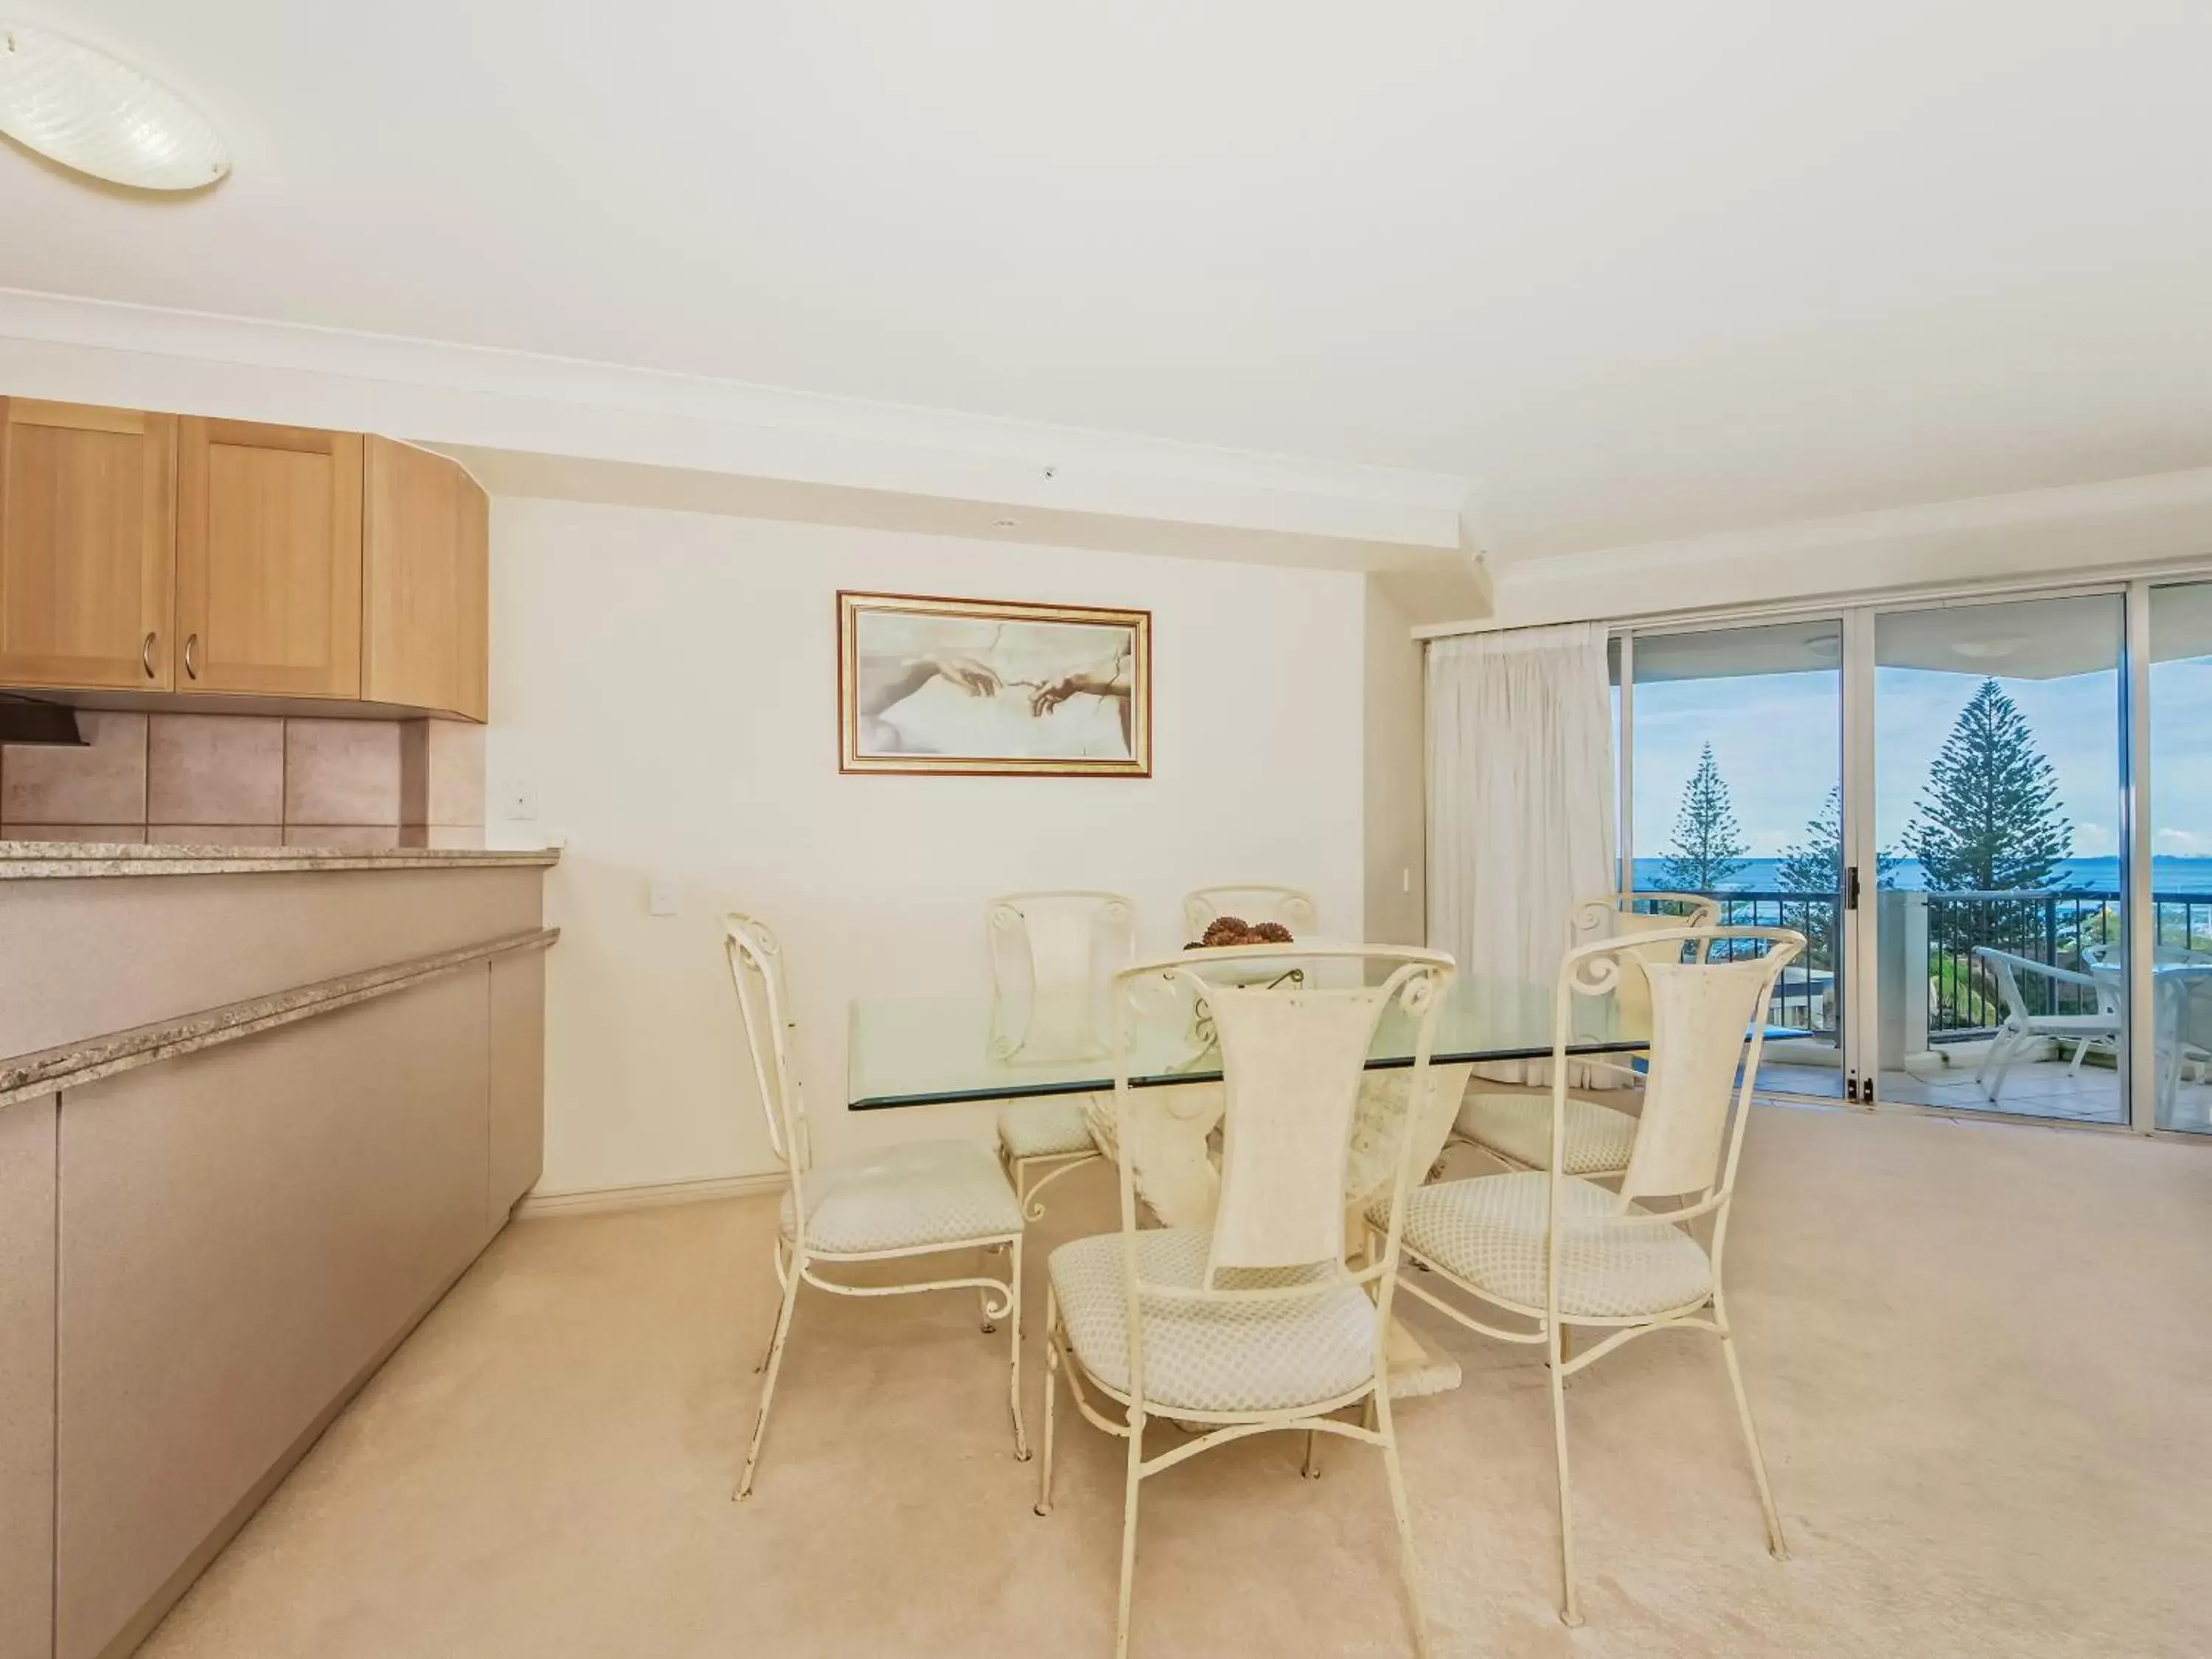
(2168, 874)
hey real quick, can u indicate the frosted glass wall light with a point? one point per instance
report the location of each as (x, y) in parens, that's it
(87, 110)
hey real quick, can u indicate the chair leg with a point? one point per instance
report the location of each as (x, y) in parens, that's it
(1129, 1535)
(1996, 1063)
(1311, 1468)
(1051, 1401)
(1989, 1054)
(1569, 1610)
(1409, 1565)
(1775, 1545)
(768, 1385)
(1014, 1320)
(1032, 1205)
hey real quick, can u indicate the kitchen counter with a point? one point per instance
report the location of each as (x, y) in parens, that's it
(45, 859)
(259, 1108)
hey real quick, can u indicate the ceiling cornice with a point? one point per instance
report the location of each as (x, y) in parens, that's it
(2093, 530)
(59, 346)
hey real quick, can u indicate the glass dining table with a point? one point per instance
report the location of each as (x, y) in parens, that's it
(923, 1051)
(927, 1051)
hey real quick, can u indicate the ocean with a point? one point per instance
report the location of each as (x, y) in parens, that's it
(2167, 875)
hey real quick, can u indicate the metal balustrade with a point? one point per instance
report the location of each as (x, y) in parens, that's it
(2057, 926)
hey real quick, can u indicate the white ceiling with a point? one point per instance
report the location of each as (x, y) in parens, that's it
(1645, 272)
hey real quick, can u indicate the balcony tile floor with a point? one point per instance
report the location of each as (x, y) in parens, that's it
(2037, 1089)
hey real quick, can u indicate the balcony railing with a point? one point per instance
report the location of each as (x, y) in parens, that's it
(2060, 927)
(1804, 997)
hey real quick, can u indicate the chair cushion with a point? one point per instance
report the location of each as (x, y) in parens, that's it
(1599, 1139)
(1490, 1231)
(1045, 1129)
(928, 1192)
(1215, 1356)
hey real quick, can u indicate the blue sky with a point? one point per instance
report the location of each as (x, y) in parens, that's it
(1777, 738)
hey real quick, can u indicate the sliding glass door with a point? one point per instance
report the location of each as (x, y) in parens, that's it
(2179, 741)
(1999, 907)
(1990, 818)
(1736, 795)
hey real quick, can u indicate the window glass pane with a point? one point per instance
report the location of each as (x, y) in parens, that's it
(1738, 784)
(2000, 957)
(2181, 851)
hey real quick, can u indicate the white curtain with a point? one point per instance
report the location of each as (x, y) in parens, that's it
(1521, 818)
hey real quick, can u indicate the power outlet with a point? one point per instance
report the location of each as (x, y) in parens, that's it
(660, 896)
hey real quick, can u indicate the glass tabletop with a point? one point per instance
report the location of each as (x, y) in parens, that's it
(925, 1051)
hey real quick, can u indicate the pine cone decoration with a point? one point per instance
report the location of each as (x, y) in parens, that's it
(1226, 930)
(1272, 932)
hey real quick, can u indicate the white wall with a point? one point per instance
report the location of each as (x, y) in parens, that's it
(1394, 759)
(667, 683)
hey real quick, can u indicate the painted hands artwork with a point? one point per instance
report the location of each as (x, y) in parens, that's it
(951, 685)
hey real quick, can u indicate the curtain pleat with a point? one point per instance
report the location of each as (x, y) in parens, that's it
(1521, 787)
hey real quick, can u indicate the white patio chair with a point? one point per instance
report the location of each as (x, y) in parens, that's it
(1294, 908)
(1256, 1323)
(2180, 1004)
(1051, 956)
(1515, 1129)
(925, 1198)
(2019, 1030)
(1556, 1250)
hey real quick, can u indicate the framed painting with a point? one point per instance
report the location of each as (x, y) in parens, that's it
(981, 686)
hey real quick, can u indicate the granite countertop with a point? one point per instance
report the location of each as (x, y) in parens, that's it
(22, 860)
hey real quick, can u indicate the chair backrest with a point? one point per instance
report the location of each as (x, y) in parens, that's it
(756, 969)
(1052, 956)
(1615, 916)
(2113, 954)
(2009, 967)
(1293, 1054)
(1294, 908)
(1708, 1025)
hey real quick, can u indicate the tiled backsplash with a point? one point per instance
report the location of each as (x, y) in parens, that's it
(249, 780)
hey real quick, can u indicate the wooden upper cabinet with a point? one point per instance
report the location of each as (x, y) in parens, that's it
(269, 535)
(87, 537)
(424, 591)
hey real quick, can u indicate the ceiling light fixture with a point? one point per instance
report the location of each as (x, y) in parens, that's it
(90, 113)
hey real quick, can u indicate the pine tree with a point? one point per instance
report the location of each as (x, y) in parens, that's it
(1815, 865)
(1709, 845)
(1989, 821)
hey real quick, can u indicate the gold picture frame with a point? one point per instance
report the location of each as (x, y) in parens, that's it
(983, 687)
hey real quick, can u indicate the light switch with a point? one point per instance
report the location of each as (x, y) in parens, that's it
(660, 896)
(522, 800)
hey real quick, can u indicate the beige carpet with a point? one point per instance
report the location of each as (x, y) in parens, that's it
(1979, 1354)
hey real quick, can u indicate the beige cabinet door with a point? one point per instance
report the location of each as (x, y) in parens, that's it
(87, 538)
(268, 526)
(424, 560)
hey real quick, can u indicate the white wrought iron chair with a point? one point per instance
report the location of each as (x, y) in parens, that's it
(925, 1198)
(1291, 907)
(2020, 1031)
(1556, 1250)
(1515, 1129)
(1051, 954)
(1257, 1323)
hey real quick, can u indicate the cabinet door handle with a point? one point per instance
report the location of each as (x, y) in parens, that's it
(146, 656)
(191, 669)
